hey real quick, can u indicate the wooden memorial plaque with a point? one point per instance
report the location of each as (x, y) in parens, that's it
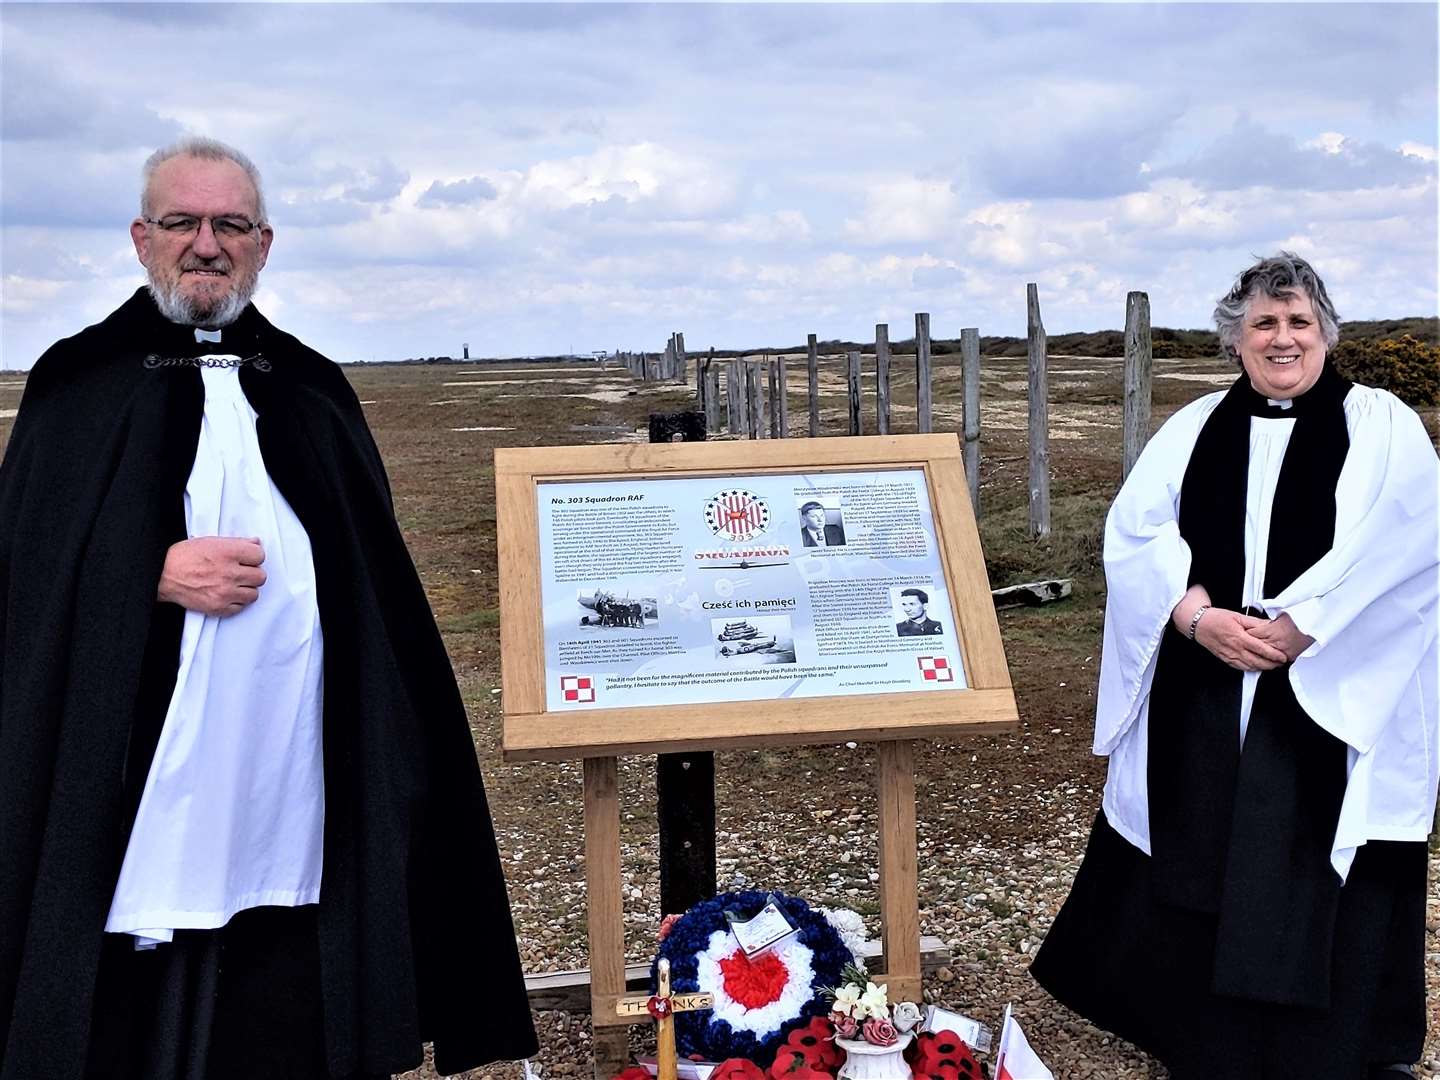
(656, 598)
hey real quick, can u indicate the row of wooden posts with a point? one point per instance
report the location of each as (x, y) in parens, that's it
(755, 403)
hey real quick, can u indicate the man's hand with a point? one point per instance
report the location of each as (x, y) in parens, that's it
(1233, 637)
(1282, 633)
(214, 575)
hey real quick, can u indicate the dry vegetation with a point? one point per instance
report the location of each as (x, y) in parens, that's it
(1002, 820)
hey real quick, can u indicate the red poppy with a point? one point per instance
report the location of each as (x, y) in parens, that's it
(791, 1065)
(944, 1050)
(817, 1041)
(787, 1062)
(734, 1069)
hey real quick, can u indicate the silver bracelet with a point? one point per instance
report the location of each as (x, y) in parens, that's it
(1195, 619)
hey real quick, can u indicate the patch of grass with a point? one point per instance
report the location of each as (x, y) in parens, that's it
(1073, 548)
(469, 621)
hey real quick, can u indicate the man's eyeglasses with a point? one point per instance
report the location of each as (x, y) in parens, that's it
(226, 226)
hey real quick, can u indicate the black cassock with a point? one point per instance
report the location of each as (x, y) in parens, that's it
(414, 929)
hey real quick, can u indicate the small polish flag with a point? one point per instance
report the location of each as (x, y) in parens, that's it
(1015, 1060)
(935, 668)
(577, 688)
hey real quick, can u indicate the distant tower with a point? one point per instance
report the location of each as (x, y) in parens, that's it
(466, 349)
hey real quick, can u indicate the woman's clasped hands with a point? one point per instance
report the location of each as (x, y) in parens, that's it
(1239, 640)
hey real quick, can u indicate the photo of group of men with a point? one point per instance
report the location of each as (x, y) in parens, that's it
(604, 608)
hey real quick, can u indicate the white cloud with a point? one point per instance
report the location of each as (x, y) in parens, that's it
(904, 210)
(747, 173)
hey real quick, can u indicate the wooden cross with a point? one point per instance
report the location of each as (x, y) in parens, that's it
(663, 1006)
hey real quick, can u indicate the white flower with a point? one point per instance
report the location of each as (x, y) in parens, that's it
(851, 928)
(874, 1001)
(847, 1001)
(906, 1016)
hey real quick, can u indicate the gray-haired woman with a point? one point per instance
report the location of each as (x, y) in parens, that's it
(1252, 901)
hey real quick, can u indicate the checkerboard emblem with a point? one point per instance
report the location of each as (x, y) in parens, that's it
(936, 668)
(577, 687)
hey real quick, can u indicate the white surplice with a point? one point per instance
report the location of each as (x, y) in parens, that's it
(233, 808)
(1370, 678)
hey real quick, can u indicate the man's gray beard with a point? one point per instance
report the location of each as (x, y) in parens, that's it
(179, 308)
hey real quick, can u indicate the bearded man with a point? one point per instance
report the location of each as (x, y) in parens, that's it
(242, 828)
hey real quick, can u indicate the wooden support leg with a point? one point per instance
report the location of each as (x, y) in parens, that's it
(899, 881)
(604, 916)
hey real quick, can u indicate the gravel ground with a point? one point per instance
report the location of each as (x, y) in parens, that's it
(1002, 826)
(1002, 819)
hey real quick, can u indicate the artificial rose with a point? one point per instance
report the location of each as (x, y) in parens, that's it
(880, 1032)
(847, 1001)
(734, 1069)
(846, 1026)
(905, 1016)
(874, 1001)
(665, 925)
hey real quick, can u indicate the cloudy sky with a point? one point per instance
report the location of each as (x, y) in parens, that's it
(539, 178)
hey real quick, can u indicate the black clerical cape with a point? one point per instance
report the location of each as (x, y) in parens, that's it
(415, 934)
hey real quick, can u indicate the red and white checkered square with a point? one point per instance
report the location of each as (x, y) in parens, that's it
(936, 668)
(577, 687)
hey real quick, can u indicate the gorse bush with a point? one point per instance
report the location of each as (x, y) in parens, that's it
(1407, 367)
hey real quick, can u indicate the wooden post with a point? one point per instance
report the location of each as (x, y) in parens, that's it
(734, 397)
(1039, 396)
(682, 361)
(882, 378)
(970, 384)
(922, 372)
(782, 398)
(712, 395)
(853, 382)
(899, 881)
(812, 361)
(604, 915)
(1138, 357)
(764, 403)
(753, 398)
(772, 373)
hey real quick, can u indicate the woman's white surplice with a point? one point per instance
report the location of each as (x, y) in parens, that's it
(1370, 678)
(233, 808)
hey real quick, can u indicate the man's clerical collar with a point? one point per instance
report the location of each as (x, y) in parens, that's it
(206, 335)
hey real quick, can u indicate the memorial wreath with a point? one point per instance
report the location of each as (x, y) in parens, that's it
(758, 1000)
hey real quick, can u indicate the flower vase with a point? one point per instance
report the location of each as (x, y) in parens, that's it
(866, 1061)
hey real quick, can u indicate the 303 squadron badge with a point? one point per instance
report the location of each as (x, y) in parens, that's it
(737, 515)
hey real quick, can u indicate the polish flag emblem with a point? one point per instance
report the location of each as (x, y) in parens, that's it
(935, 668)
(577, 688)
